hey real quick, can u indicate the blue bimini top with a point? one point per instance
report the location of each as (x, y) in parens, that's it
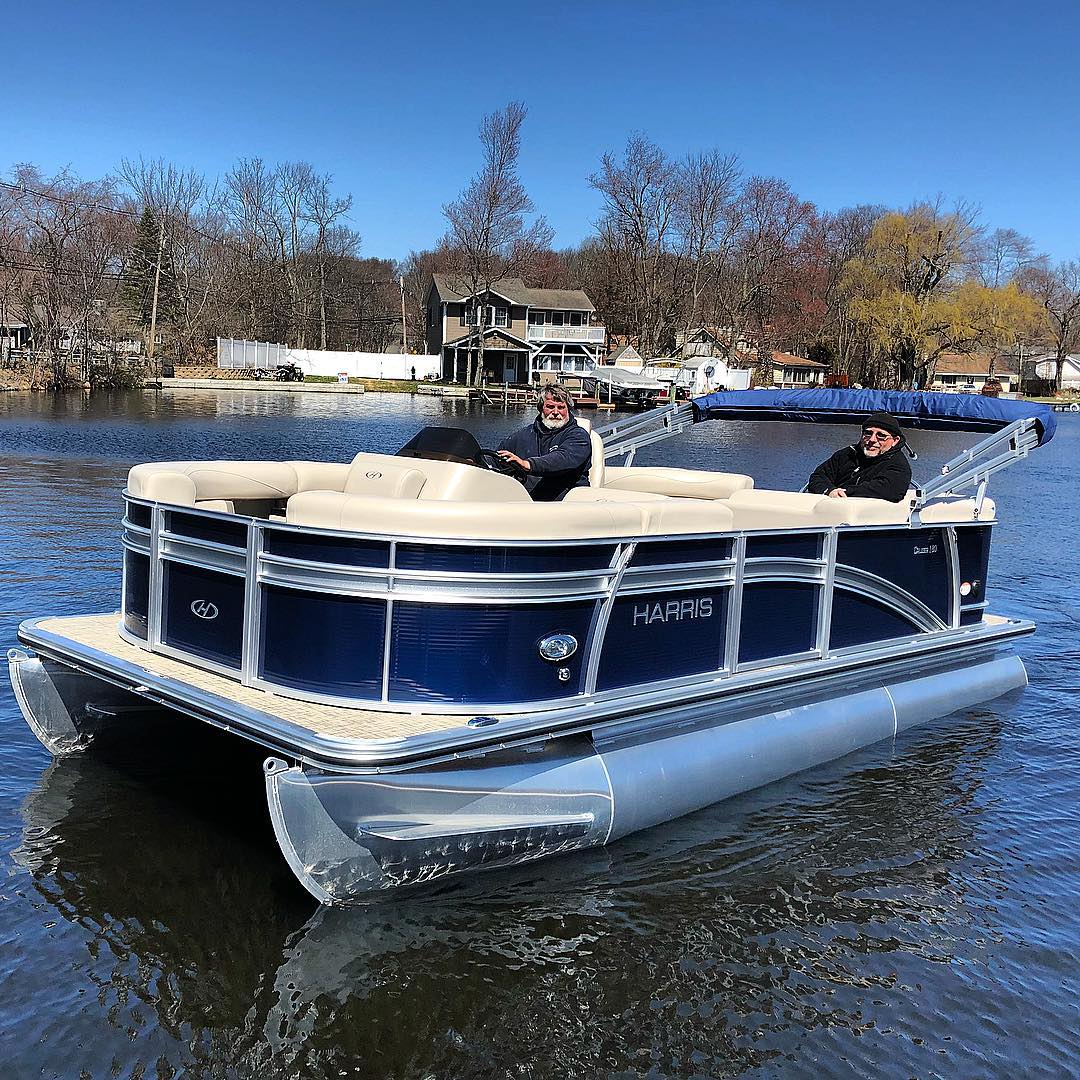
(912, 408)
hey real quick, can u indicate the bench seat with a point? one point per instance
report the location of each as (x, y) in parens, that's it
(220, 485)
(677, 483)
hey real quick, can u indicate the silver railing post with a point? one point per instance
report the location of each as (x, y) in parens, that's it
(952, 557)
(825, 601)
(250, 645)
(734, 612)
(153, 619)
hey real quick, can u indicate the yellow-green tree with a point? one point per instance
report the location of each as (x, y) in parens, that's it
(909, 293)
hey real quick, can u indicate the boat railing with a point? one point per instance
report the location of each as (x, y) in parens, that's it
(376, 620)
(970, 469)
(626, 437)
(974, 467)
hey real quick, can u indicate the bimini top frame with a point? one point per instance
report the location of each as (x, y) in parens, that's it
(1016, 427)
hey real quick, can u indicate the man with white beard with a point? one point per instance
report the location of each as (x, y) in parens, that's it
(553, 454)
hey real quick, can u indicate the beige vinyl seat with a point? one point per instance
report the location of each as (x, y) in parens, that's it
(226, 486)
(764, 509)
(957, 510)
(597, 468)
(219, 485)
(677, 483)
(572, 519)
(469, 520)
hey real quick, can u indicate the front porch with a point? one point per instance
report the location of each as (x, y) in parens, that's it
(505, 358)
(566, 358)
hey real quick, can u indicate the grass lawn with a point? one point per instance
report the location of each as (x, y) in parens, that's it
(382, 386)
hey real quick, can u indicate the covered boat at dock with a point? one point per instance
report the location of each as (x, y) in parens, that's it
(448, 676)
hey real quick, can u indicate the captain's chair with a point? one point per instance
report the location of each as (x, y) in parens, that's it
(596, 468)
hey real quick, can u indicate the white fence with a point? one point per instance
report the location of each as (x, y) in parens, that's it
(232, 353)
(356, 365)
(365, 365)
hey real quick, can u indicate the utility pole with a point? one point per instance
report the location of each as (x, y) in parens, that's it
(157, 285)
(404, 336)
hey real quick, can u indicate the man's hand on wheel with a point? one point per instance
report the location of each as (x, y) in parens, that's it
(511, 458)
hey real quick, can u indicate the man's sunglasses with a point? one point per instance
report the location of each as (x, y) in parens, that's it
(877, 436)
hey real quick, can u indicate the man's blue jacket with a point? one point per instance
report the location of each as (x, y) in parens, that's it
(558, 460)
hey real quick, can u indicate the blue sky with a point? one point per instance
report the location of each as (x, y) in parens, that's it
(848, 102)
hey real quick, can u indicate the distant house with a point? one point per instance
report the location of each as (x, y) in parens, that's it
(718, 342)
(701, 374)
(13, 335)
(1046, 368)
(528, 334)
(625, 356)
(968, 372)
(790, 371)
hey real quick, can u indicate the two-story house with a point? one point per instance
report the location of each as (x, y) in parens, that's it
(525, 331)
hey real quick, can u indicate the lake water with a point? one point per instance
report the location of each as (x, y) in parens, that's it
(910, 910)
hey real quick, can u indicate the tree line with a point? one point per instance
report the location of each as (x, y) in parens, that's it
(168, 258)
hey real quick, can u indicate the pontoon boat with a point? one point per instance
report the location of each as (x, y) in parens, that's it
(448, 676)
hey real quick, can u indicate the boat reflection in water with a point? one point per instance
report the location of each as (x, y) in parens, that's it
(450, 677)
(782, 911)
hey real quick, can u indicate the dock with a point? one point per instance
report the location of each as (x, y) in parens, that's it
(259, 384)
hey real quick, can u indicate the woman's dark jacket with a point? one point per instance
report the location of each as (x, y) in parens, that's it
(886, 477)
(558, 460)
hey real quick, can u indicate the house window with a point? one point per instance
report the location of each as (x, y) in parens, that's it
(556, 318)
(575, 318)
(464, 314)
(537, 318)
(502, 316)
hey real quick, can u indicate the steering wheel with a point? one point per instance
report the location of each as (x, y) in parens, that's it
(490, 460)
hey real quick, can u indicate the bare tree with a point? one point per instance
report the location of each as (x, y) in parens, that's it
(416, 271)
(179, 200)
(1001, 256)
(489, 229)
(638, 229)
(770, 224)
(331, 239)
(707, 188)
(1057, 288)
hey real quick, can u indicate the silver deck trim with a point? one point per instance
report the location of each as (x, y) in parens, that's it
(684, 702)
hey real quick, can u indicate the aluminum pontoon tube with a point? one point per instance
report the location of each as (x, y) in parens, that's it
(347, 836)
(64, 707)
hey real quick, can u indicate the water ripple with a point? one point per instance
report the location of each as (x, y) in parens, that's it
(907, 911)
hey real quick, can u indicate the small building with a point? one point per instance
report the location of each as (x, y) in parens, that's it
(13, 335)
(968, 372)
(525, 332)
(718, 342)
(791, 372)
(704, 374)
(625, 356)
(1045, 367)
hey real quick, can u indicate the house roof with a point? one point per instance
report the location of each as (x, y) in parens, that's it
(1071, 360)
(490, 333)
(453, 288)
(622, 353)
(974, 364)
(783, 360)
